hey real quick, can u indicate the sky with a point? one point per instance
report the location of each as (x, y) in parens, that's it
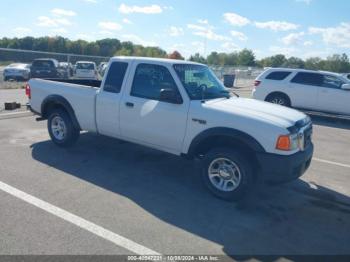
(303, 28)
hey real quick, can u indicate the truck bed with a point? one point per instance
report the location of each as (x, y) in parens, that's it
(80, 94)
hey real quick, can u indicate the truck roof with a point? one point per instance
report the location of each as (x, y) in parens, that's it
(152, 59)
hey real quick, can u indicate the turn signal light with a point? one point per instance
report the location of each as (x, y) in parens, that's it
(283, 143)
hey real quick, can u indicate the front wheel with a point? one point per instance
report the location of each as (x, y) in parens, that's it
(61, 128)
(279, 99)
(226, 173)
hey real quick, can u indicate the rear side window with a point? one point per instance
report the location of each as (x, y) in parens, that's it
(150, 79)
(312, 79)
(115, 77)
(278, 75)
(332, 82)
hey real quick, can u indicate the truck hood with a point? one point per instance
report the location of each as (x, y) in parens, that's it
(263, 111)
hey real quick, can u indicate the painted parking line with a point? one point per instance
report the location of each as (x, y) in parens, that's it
(78, 221)
(330, 162)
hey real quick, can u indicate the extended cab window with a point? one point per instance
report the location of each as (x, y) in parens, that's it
(150, 79)
(115, 77)
(278, 75)
(312, 79)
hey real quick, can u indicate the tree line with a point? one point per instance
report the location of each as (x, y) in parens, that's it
(336, 63)
(105, 47)
(111, 47)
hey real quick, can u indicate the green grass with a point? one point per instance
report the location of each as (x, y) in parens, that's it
(12, 85)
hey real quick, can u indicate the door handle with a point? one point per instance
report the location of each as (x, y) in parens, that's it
(128, 104)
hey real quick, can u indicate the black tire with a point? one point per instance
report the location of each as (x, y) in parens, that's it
(71, 133)
(245, 170)
(279, 99)
(6, 79)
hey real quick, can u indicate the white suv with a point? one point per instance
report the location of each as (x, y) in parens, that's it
(86, 70)
(305, 89)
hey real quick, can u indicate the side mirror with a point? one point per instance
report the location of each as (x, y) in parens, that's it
(345, 87)
(170, 96)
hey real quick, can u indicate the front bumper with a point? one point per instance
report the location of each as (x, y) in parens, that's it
(281, 168)
(17, 77)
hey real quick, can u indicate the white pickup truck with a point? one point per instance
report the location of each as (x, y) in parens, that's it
(181, 108)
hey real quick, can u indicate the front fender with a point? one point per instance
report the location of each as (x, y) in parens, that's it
(240, 136)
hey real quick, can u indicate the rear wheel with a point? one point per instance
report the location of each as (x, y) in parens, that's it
(61, 128)
(226, 173)
(279, 99)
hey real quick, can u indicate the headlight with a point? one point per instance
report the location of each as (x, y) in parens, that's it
(294, 141)
(290, 142)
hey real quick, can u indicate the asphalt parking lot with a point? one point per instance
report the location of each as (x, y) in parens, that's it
(104, 196)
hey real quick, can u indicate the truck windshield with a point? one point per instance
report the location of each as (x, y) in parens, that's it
(200, 82)
(43, 63)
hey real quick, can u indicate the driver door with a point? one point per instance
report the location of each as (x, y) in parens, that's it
(147, 120)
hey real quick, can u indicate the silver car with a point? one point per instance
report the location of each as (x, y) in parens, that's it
(17, 72)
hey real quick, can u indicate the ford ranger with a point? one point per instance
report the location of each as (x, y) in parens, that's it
(181, 108)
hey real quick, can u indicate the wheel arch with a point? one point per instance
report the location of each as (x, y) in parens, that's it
(58, 102)
(226, 137)
(208, 139)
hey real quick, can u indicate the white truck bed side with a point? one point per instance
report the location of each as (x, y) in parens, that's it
(81, 98)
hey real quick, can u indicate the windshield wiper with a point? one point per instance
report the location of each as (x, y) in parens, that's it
(228, 92)
(237, 95)
(208, 95)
